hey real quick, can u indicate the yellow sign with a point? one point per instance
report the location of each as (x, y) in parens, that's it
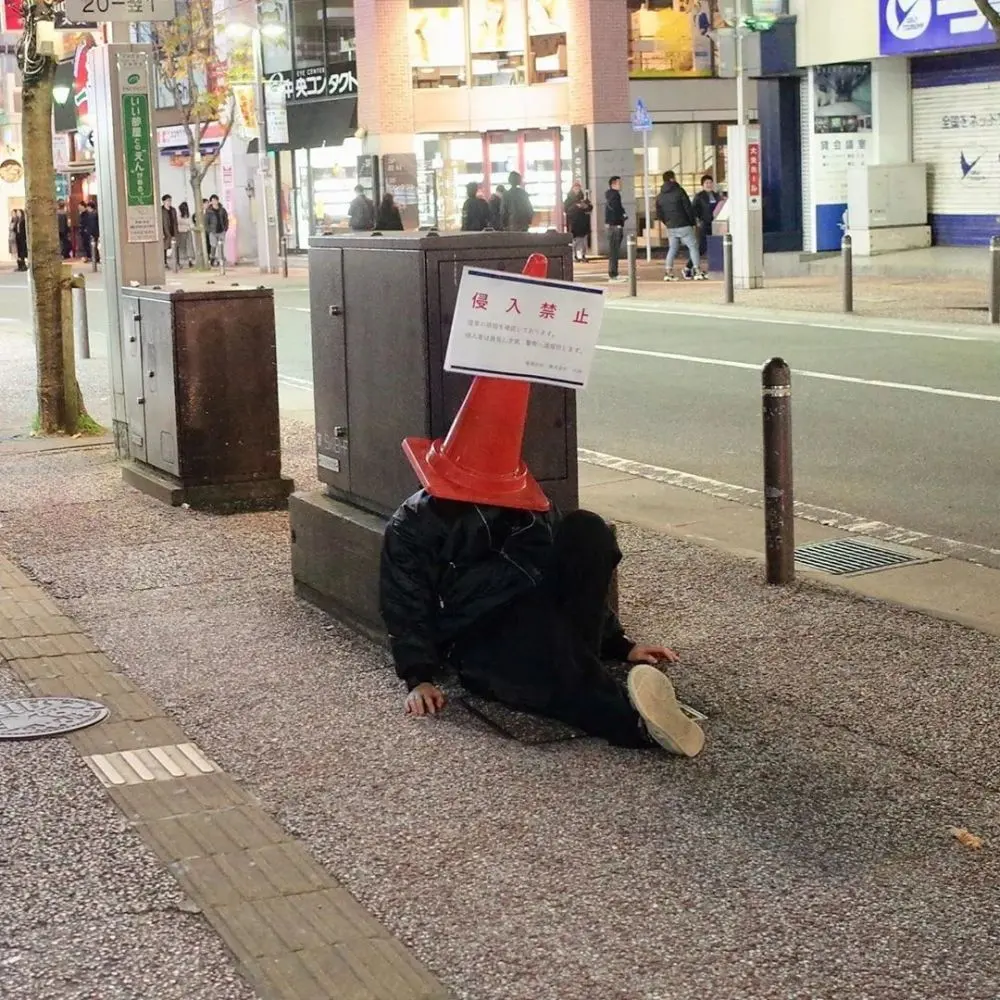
(676, 42)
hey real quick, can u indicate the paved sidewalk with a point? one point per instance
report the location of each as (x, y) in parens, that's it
(806, 854)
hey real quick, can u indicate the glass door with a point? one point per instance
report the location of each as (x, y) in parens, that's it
(536, 156)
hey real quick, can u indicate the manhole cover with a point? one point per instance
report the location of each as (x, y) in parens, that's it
(852, 556)
(29, 718)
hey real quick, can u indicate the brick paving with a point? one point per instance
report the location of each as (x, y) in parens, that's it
(296, 933)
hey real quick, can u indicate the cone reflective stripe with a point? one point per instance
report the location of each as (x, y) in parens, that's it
(479, 461)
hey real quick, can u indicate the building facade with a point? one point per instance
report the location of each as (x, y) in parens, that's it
(909, 83)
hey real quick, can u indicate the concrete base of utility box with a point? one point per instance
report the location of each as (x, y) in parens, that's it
(220, 498)
(336, 549)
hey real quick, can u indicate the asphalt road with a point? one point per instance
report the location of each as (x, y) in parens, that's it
(887, 426)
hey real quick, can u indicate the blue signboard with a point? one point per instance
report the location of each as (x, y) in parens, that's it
(641, 122)
(909, 26)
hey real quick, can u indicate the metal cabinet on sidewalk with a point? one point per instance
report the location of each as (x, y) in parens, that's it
(201, 384)
(381, 309)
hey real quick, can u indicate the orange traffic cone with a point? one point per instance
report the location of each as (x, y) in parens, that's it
(480, 459)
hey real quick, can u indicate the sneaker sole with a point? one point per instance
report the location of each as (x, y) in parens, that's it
(652, 696)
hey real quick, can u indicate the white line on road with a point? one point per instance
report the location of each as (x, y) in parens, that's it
(804, 373)
(826, 516)
(805, 322)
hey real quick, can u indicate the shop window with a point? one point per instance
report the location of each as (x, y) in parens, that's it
(438, 47)
(497, 37)
(672, 38)
(276, 51)
(548, 21)
(310, 47)
(340, 39)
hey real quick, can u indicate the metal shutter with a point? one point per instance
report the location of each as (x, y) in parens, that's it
(808, 209)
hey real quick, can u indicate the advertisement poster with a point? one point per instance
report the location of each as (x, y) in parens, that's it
(496, 26)
(548, 17)
(908, 26)
(437, 37)
(674, 41)
(399, 178)
(842, 138)
(141, 212)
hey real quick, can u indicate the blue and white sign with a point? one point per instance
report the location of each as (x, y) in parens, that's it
(641, 122)
(908, 26)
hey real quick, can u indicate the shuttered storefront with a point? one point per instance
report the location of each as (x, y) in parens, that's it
(956, 132)
(808, 208)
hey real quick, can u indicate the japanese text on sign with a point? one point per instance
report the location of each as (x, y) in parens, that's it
(532, 329)
(120, 10)
(140, 183)
(753, 173)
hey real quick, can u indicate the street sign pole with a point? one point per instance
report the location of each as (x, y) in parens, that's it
(645, 187)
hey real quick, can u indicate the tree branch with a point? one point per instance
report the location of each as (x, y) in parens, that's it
(991, 14)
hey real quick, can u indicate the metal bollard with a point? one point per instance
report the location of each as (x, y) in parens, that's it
(175, 253)
(284, 256)
(779, 513)
(727, 268)
(995, 280)
(847, 253)
(95, 253)
(81, 324)
(633, 267)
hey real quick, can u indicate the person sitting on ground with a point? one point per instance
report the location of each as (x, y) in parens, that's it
(514, 598)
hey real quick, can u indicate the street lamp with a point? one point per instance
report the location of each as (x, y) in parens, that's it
(268, 247)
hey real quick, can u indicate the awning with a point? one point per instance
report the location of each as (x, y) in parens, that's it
(318, 123)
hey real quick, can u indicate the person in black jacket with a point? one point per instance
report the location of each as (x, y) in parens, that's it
(496, 207)
(65, 235)
(516, 212)
(706, 201)
(19, 237)
(674, 210)
(516, 602)
(578, 207)
(388, 219)
(614, 219)
(477, 213)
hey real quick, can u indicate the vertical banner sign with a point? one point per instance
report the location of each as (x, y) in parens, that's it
(140, 189)
(277, 113)
(753, 168)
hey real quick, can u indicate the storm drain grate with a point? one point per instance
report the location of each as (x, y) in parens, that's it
(852, 556)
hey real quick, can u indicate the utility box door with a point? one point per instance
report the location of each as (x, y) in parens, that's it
(329, 351)
(159, 386)
(135, 401)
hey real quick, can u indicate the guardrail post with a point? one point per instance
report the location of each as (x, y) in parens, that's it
(779, 512)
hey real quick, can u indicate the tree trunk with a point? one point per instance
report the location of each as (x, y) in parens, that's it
(44, 253)
(201, 256)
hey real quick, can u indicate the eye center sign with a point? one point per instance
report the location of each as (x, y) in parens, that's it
(527, 329)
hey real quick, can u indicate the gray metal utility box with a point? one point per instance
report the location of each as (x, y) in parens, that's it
(381, 310)
(201, 397)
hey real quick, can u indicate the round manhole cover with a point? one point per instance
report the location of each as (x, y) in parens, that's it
(28, 718)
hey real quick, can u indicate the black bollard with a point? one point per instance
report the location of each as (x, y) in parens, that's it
(847, 252)
(995, 280)
(727, 268)
(633, 268)
(779, 512)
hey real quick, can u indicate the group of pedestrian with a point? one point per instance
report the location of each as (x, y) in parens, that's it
(688, 223)
(178, 230)
(18, 242)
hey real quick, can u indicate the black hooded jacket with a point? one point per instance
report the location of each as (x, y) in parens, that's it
(446, 565)
(673, 206)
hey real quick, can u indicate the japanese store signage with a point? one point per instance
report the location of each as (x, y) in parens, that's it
(907, 26)
(140, 186)
(753, 168)
(530, 329)
(13, 16)
(120, 10)
(318, 82)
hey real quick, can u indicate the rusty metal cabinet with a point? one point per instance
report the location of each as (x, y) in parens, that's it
(201, 382)
(381, 315)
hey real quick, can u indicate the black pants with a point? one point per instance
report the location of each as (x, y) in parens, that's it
(541, 654)
(616, 236)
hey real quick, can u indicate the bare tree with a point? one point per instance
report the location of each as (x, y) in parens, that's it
(991, 14)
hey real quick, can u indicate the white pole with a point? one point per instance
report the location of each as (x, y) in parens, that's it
(645, 189)
(741, 98)
(264, 166)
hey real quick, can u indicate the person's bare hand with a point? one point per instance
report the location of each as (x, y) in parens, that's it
(642, 653)
(425, 699)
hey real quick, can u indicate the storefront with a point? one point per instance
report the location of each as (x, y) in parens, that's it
(317, 168)
(955, 106)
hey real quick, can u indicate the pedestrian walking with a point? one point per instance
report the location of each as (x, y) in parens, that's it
(706, 203)
(19, 238)
(204, 225)
(83, 228)
(185, 234)
(477, 213)
(516, 211)
(614, 219)
(65, 230)
(361, 212)
(675, 211)
(578, 208)
(496, 207)
(217, 225)
(388, 219)
(168, 216)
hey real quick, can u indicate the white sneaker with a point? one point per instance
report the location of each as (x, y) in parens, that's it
(652, 696)
(617, 280)
(700, 276)
(670, 276)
